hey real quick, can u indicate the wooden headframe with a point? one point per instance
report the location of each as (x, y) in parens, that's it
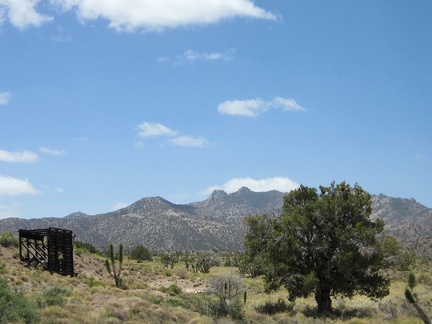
(51, 248)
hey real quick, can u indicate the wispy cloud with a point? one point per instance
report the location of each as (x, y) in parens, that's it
(147, 129)
(191, 56)
(51, 151)
(258, 185)
(157, 15)
(22, 13)
(5, 97)
(154, 129)
(13, 187)
(16, 157)
(255, 107)
(189, 141)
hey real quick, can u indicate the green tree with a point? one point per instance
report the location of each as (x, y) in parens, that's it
(323, 243)
(140, 253)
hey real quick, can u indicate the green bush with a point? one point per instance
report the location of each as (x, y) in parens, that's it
(140, 253)
(271, 308)
(15, 307)
(178, 302)
(171, 290)
(54, 296)
(7, 239)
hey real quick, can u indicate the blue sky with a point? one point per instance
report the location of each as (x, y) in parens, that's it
(106, 102)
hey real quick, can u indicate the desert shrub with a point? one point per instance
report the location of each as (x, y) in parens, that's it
(7, 239)
(54, 296)
(181, 273)
(140, 253)
(15, 307)
(271, 308)
(236, 309)
(91, 282)
(170, 259)
(171, 290)
(167, 273)
(178, 302)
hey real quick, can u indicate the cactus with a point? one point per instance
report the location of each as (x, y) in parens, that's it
(112, 270)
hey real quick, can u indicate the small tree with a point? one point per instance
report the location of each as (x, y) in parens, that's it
(323, 243)
(229, 289)
(112, 270)
(140, 253)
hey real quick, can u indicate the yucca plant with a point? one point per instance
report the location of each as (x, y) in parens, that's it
(112, 270)
(411, 297)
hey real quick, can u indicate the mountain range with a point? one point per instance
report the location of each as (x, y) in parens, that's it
(213, 224)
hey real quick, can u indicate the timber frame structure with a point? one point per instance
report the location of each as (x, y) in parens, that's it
(51, 248)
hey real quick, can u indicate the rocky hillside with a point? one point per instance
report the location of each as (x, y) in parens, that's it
(215, 223)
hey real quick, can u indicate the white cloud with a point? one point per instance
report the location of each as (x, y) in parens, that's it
(14, 157)
(191, 56)
(5, 96)
(13, 187)
(22, 13)
(419, 156)
(154, 129)
(189, 141)
(52, 152)
(248, 108)
(130, 15)
(255, 107)
(257, 185)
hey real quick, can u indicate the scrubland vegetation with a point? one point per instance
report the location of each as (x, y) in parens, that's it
(323, 244)
(154, 293)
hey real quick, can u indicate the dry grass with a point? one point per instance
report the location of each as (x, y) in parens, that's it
(94, 299)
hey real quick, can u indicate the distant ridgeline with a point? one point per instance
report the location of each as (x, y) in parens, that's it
(213, 224)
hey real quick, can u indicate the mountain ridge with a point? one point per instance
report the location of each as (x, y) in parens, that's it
(215, 223)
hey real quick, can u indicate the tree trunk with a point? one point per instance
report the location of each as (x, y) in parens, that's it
(324, 302)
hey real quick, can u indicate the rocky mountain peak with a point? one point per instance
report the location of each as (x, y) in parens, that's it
(77, 215)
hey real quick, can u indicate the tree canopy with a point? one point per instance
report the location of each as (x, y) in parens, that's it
(140, 253)
(322, 243)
